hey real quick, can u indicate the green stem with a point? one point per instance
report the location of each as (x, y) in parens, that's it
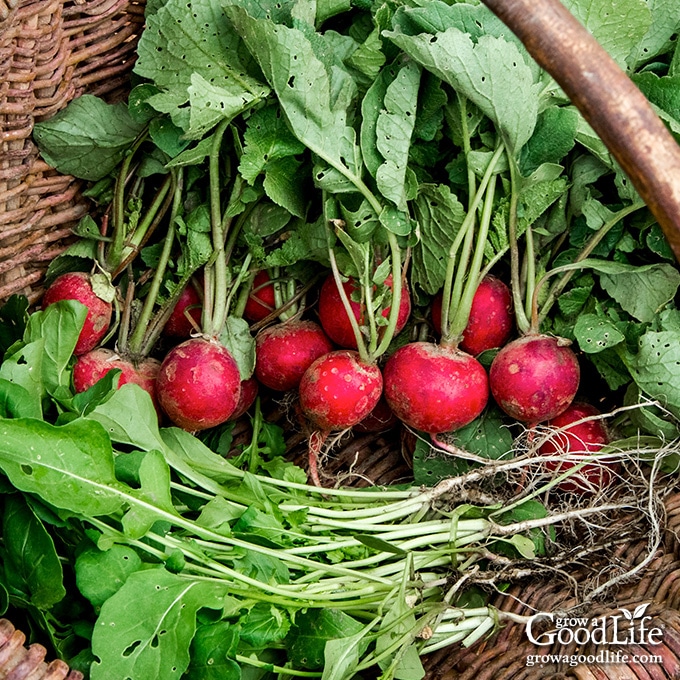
(118, 211)
(447, 302)
(521, 317)
(397, 285)
(460, 319)
(273, 668)
(530, 254)
(218, 311)
(361, 344)
(254, 458)
(140, 332)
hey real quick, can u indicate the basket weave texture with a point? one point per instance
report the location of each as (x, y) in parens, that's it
(50, 52)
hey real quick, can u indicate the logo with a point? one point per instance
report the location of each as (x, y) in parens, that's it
(622, 629)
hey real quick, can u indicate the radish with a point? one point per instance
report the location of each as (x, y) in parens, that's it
(187, 308)
(285, 351)
(333, 316)
(249, 389)
(580, 437)
(491, 317)
(78, 286)
(199, 384)
(262, 299)
(534, 378)
(435, 388)
(94, 365)
(338, 390)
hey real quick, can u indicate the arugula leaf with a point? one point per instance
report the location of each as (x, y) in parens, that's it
(212, 650)
(264, 625)
(101, 573)
(145, 629)
(312, 629)
(30, 555)
(88, 138)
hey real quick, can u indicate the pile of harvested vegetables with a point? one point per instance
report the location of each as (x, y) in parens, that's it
(381, 215)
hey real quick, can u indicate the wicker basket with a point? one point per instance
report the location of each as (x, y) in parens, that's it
(54, 50)
(50, 52)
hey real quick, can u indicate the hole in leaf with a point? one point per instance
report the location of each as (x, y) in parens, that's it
(130, 649)
(27, 469)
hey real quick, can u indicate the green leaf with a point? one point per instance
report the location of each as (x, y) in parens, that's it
(237, 338)
(13, 319)
(618, 25)
(487, 435)
(267, 138)
(59, 327)
(491, 73)
(100, 574)
(30, 551)
(145, 629)
(595, 334)
(553, 138)
(88, 138)
(642, 291)
(211, 649)
(191, 64)
(315, 112)
(394, 129)
(264, 625)
(24, 369)
(661, 91)
(660, 34)
(341, 656)
(378, 544)
(16, 401)
(284, 183)
(129, 417)
(312, 629)
(440, 215)
(70, 467)
(656, 366)
(194, 155)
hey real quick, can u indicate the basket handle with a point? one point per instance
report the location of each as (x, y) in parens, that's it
(610, 102)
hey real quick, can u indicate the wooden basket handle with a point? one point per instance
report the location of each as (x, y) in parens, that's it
(610, 102)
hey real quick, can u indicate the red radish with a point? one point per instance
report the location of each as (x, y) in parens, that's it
(585, 437)
(534, 378)
(261, 301)
(333, 315)
(285, 351)
(249, 389)
(491, 319)
(78, 286)
(435, 388)
(94, 365)
(338, 390)
(199, 384)
(380, 419)
(188, 306)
